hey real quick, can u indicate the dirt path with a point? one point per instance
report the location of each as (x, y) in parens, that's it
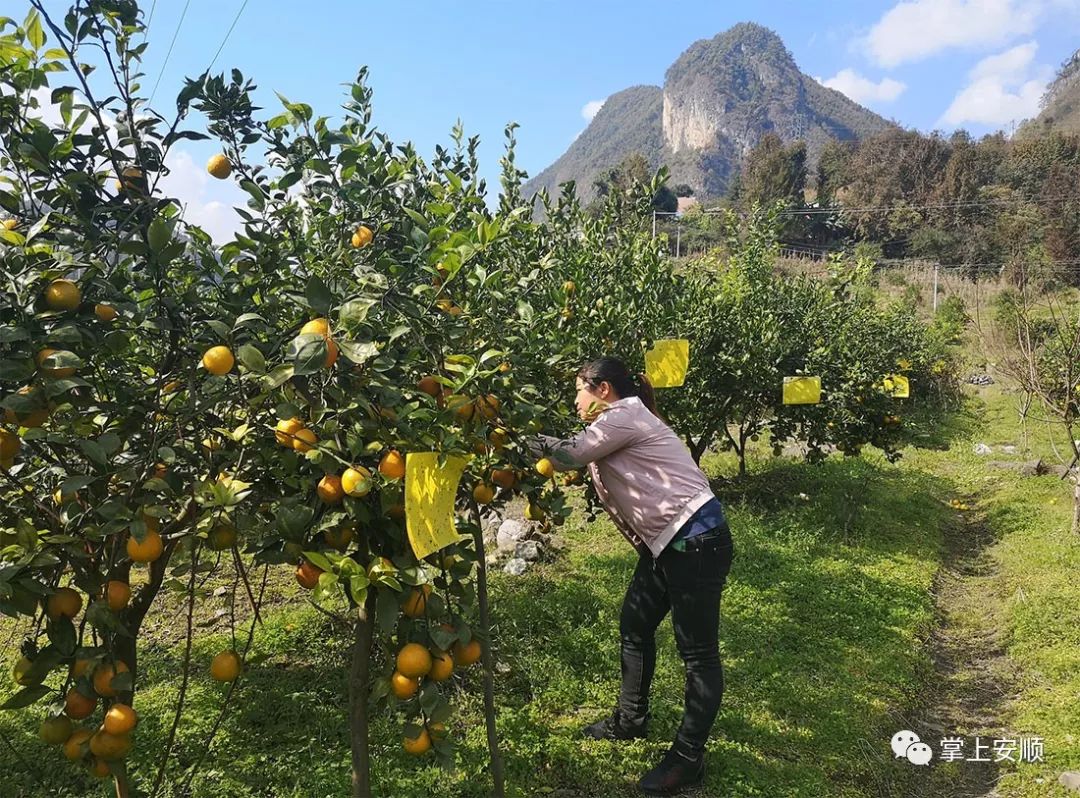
(973, 679)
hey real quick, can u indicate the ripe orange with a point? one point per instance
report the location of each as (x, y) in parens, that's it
(362, 237)
(534, 512)
(503, 477)
(414, 661)
(148, 550)
(308, 575)
(487, 406)
(10, 444)
(218, 360)
(418, 745)
(79, 667)
(468, 654)
(304, 440)
(103, 676)
(62, 295)
(77, 706)
(332, 352)
(392, 465)
(569, 287)
(286, 429)
(55, 731)
(498, 437)
(442, 666)
(330, 490)
(218, 166)
(483, 493)
(416, 603)
(545, 468)
(338, 537)
(225, 666)
(316, 327)
(73, 748)
(462, 406)
(105, 313)
(20, 672)
(120, 719)
(110, 747)
(32, 418)
(57, 372)
(222, 537)
(430, 386)
(64, 603)
(356, 481)
(403, 686)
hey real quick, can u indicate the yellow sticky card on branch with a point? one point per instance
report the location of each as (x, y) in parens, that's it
(430, 490)
(802, 390)
(898, 386)
(666, 363)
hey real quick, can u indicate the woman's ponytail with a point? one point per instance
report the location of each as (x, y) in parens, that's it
(615, 372)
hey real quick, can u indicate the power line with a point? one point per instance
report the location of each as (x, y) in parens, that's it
(227, 35)
(169, 53)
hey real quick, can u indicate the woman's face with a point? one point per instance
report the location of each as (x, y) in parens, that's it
(591, 400)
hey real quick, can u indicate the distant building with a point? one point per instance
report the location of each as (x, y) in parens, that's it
(685, 204)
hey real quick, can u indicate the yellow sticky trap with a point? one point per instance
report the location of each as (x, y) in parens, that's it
(898, 386)
(430, 490)
(666, 363)
(802, 390)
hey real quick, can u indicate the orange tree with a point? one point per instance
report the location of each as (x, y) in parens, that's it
(411, 280)
(175, 408)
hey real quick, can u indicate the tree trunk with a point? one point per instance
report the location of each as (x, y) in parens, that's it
(359, 690)
(1076, 506)
(123, 788)
(498, 786)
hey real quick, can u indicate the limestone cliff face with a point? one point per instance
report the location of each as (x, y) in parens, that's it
(719, 98)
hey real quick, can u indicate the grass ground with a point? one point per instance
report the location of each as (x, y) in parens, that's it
(829, 637)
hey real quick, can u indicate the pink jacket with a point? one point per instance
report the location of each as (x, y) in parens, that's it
(642, 471)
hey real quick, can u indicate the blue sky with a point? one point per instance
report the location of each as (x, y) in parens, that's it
(929, 64)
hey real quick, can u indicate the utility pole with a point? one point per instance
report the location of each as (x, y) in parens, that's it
(678, 238)
(654, 223)
(936, 266)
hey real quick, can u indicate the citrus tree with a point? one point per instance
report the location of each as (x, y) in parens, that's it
(176, 409)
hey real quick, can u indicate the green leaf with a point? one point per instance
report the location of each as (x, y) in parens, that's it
(62, 634)
(247, 318)
(311, 352)
(26, 697)
(319, 560)
(278, 377)
(318, 296)
(34, 32)
(386, 610)
(94, 452)
(252, 359)
(358, 351)
(159, 235)
(12, 237)
(355, 311)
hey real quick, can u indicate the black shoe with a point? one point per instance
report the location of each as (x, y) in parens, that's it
(673, 775)
(616, 727)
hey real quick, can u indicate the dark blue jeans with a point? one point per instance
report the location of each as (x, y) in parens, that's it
(688, 584)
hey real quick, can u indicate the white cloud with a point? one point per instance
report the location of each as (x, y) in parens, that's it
(864, 90)
(1001, 89)
(207, 202)
(590, 109)
(916, 29)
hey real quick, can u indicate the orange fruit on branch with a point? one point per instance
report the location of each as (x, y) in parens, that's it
(62, 295)
(414, 661)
